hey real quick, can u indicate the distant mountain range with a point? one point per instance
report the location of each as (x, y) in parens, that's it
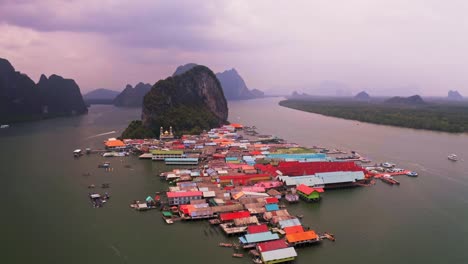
(22, 100)
(101, 93)
(233, 85)
(412, 100)
(132, 97)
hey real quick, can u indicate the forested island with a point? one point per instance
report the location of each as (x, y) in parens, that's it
(430, 116)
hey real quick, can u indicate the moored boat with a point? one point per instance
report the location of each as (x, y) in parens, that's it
(238, 255)
(412, 174)
(452, 157)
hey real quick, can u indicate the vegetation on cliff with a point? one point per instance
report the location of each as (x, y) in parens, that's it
(189, 102)
(137, 130)
(430, 116)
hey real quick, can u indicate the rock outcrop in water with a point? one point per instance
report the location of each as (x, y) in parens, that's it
(22, 100)
(132, 97)
(454, 96)
(60, 96)
(189, 102)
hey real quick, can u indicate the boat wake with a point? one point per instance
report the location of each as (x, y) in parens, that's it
(102, 134)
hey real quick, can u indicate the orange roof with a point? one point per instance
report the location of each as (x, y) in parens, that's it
(302, 236)
(115, 143)
(237, 125)
(293, 229)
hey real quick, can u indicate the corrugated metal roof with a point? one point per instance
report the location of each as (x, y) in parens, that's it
(293, 229)
(272, 245)
(253, 229)
(340, 176)
(289, 222)
(283, 253)
(301, 236)
(271, 207)
(183, 194)
(260, 237)
(235, 215)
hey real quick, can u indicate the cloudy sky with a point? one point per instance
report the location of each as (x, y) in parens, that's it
(383, 46)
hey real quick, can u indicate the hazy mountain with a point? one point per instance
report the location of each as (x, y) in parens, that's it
(412, 100)
(101, 93)
(454, 95)
(132, 97)
(364, 96)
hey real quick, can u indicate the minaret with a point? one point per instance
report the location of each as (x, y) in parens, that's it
(170, 130)
(160, 131)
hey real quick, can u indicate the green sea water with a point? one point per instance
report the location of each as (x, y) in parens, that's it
(47, 216)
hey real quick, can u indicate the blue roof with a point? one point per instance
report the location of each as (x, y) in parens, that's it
(271, 207)
(258, 237)
(301, 156)
(289, 222)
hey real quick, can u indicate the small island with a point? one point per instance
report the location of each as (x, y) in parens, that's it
(409, 112)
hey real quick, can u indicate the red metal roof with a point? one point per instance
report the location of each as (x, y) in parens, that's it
(252, 229)
(234, 215)
(271, 200)
(293, 229)
(183, 194)
(308, 190)
(295, 168)
(272, 245)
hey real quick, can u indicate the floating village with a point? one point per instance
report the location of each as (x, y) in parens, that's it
(242, 182)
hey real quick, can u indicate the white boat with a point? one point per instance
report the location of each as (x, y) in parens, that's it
(412, 174)
(387, 165)
(4, 126)
(77, 152)
(452, 157)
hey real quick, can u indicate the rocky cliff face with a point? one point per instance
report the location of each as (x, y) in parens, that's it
(60, 96)
(189, 102)
(18, 94)
(21, 99)
(132, 97)
(184, 68)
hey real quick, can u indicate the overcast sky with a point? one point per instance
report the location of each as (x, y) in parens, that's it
(383, 46)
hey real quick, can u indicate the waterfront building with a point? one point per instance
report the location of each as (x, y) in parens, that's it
(276, 251)
(176, 198)
(166, 154)
(115, 144)
(181, 161)
(306, 237)
(309, 194)
(326, 179)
